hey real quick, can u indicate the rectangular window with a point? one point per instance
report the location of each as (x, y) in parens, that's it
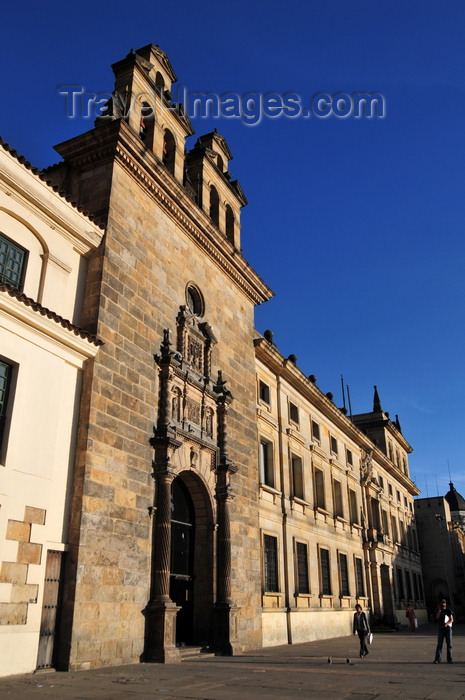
(403, 533)
(344, 574)
(333, 445)
(390, 490)
(325, 572)
(302, 568)
(266, 463)
(414, 586)
(293, 413)
(337, 495)
(349, 458)
(398, 497)
(12, 263)
(315, 431)
(400, 584)
(319, 489)
(353, 507)
(264, 392)
(394, 530)
(297, 477)
(409, 585)
(359, 576)
(270, 556)
(385, 522)
(5, 383)
(381, 482)
(374, 520)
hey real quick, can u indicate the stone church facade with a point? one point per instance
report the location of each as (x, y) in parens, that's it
(191, 519)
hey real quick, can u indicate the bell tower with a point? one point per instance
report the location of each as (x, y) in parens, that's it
(142, 96)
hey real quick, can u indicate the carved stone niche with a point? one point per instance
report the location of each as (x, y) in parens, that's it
(193, 409)
(195, 339)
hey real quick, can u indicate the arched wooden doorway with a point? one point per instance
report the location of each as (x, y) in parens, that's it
(191, 567)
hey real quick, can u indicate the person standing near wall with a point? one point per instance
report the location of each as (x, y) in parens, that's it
(362, 628)
(412, 618)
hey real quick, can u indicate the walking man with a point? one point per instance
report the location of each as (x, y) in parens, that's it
(445, 619)
(362, 628)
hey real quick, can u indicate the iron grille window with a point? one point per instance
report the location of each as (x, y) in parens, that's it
(344, 573)
(359, 575)
(5, 381)
(325, 573)
(270, 550)
(12, 259)
(302, 568)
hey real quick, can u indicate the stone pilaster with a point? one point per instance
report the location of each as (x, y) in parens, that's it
(161, 611)
(224, 611)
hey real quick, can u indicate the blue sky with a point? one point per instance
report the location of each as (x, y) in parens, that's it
(356, 224)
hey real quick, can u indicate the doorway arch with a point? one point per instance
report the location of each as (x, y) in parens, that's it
(191, 565)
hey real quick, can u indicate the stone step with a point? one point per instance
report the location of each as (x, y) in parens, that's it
(189, 652)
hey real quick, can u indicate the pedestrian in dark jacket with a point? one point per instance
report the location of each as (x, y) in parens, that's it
(362, 628)
(445, 618)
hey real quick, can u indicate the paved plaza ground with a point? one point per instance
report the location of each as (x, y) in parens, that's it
(399, 665)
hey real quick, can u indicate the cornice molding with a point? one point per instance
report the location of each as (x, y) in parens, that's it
(268, 353)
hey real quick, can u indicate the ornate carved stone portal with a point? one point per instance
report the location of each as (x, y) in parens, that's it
(190, 435)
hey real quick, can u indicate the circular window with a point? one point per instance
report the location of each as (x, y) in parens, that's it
(194, 300)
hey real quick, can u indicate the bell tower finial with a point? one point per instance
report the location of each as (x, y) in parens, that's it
(376, 402)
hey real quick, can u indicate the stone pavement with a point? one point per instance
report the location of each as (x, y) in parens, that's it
(399, 665)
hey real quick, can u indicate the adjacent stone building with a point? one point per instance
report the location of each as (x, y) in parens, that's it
(218, 498)
(442, 546)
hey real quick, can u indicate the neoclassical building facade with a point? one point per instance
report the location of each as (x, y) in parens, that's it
(215, 497)
(336, 509)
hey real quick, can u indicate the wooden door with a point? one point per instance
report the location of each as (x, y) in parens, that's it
(50, 608)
